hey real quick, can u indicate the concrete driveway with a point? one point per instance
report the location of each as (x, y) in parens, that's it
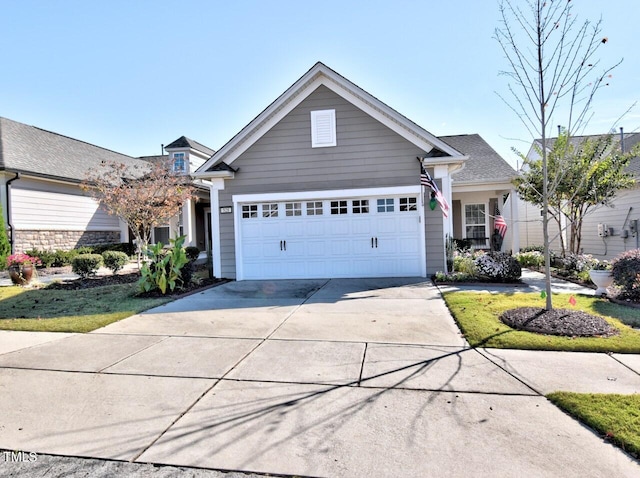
(308, 378)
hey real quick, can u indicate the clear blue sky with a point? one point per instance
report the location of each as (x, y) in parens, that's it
(130, 75)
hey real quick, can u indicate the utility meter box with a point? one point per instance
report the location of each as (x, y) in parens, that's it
(633, 226)
(603, 230)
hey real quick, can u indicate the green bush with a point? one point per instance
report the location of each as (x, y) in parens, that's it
(46, 257)
(86, 265)
(626, 274)
(192, 252)
(128, 249)
(84, 250)
(63, 258)
(539, 249)
(165, 268)
(5, 247)
(464, 263)
(463, 244)
(530, 259)
(114, 260)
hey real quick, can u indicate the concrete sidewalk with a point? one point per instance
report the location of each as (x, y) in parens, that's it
(306, 378)
(532, 282)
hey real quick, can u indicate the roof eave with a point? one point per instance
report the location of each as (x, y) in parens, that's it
(318, 75)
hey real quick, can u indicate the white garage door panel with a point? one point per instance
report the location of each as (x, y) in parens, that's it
(367, 241)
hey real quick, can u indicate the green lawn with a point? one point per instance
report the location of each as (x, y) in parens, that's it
(616, 417)
(477, 316)
(85, 310)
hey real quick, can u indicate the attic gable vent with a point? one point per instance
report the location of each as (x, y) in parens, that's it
(323, 128)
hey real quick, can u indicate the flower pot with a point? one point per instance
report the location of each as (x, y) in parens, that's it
(21, 274)
(602, 279)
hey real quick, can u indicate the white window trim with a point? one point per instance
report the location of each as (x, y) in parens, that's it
(486, 223)
(184, 160)
(321, 195)
(331, 140)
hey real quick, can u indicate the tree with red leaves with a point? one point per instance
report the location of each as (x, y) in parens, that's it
(145, 195)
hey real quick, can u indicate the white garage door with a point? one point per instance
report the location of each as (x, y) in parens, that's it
(354, 237)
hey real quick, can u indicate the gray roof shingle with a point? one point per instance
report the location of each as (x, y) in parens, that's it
(28, 149)
(483, 165)
(184, 142)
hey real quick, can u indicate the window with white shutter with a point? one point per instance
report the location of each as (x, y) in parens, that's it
(323, 128)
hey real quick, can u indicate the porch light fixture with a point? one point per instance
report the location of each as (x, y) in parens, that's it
(433, 202)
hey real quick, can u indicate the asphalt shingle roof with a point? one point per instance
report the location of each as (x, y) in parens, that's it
(184, 142)
(483, 165)
(28, 149)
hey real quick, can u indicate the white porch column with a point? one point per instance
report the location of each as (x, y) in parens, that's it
(441, 171)
(214, 194)
(124, 230)
(189, 223)
(515, 222)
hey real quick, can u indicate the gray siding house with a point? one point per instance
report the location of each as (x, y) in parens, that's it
(44, 207)
(325, 182)
(616, 220)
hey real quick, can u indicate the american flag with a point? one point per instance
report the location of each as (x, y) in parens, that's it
(426, 180)
(499, 223)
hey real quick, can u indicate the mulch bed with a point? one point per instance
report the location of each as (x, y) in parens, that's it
(120, 278)
(571, 323)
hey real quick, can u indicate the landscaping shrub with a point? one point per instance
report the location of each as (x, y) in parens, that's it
(86, 265)
(626, 274)
(539, 249)
(63, 258)
(165, 268)
(84, 250)
(46, 257)
(463, 244)
(498, 266)
(575, 263)
(128, 249)
(114, 260)
(530, 259)
(5, 247)
(464, 263)
(192, 252)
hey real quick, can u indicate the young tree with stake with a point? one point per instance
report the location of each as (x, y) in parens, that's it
(552, 71)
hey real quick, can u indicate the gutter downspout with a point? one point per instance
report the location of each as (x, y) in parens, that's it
(11, 241)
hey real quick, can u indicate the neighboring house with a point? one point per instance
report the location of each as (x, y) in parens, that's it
(606, 231)
(44, 207)
(186, 156)
(325, 182)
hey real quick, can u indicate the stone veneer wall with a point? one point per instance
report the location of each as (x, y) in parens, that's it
(62, 240)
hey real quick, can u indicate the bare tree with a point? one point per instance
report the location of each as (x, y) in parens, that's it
(144, 196)
(551, 57)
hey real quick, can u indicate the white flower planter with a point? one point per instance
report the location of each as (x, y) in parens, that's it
(602, 279)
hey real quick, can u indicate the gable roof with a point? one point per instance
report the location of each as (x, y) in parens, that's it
(184, 142)
(321, 74)
(484, 165)
(38, 152)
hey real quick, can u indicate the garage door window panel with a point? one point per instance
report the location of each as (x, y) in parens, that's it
(249, 211)
(314, 208)
(408, 204)
(360, 206)
(270, 210)
(338, 207)
(293, 209)
(386, 205)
